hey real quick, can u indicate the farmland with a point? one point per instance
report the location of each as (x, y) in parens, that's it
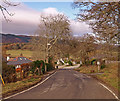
(15, 53)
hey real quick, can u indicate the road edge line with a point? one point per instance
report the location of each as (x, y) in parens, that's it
(30, 87)
(110, 91)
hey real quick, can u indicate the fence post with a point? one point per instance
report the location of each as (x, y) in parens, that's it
(98, 63)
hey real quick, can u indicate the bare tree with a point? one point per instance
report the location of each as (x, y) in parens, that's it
(3, 7)
(103, 18)
(51, 28)
(86, 47)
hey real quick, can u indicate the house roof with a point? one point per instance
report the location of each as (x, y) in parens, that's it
(19, 60)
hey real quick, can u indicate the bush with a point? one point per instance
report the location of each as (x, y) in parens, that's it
(93, 61)
(78, 62)
(103, 66)
(87, 62)
(65, 61)
(43, 66)
(50, 59)
(33, 67)
(70, 63)
(55, 62)
(8, 72)
(49, 66)
(51, 63)
(38, 64)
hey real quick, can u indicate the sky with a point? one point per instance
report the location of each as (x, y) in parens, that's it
(27, 17)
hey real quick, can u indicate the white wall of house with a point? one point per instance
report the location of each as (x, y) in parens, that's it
(18, 66)
(8, 58)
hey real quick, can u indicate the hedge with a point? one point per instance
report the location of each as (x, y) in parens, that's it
(70, 63)
(38, 63)
(49, 66)
(8, 72)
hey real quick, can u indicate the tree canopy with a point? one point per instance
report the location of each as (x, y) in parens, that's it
(102, 16)
(4, 8)
(51, 29)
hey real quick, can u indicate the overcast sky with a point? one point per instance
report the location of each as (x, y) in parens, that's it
(26, 17)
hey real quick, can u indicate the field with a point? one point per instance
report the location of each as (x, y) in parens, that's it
(15, 53)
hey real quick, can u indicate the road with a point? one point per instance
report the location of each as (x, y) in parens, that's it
(67, 84)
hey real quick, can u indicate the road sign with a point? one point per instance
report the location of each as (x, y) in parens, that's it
(98, 63)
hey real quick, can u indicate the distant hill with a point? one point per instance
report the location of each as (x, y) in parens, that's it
(11, 38)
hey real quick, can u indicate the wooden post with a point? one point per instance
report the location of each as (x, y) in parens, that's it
(45, 68)
(98, 63)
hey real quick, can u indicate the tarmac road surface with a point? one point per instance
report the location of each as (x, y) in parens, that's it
(67, 84)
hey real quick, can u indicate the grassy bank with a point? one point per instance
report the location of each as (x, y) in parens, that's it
(11, 87)
(109, 74)
(86, 69)
(14, 87)
(15, 53)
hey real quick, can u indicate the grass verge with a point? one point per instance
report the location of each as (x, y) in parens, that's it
(109, 75)
(15, 87)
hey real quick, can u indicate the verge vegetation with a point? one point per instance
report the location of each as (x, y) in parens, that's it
(19, 85)
(109, 74)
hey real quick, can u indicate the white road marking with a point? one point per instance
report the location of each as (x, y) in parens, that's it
(30, 87)
(110, 91)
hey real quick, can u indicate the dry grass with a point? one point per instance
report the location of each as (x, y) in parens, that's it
(15, 53)
(9, 87)
(87, 69)
(110, 73)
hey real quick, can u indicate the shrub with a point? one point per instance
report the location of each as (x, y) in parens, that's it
(43, 66)
(87, 62)
(49, 66)
(51, 62)
(38, 64)
(8, 72)
(55, 62)
(65, 61)
(103, 66)
(70, 63)
(32, 67)
(93, 61)
(78, 62)
(50, 59)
